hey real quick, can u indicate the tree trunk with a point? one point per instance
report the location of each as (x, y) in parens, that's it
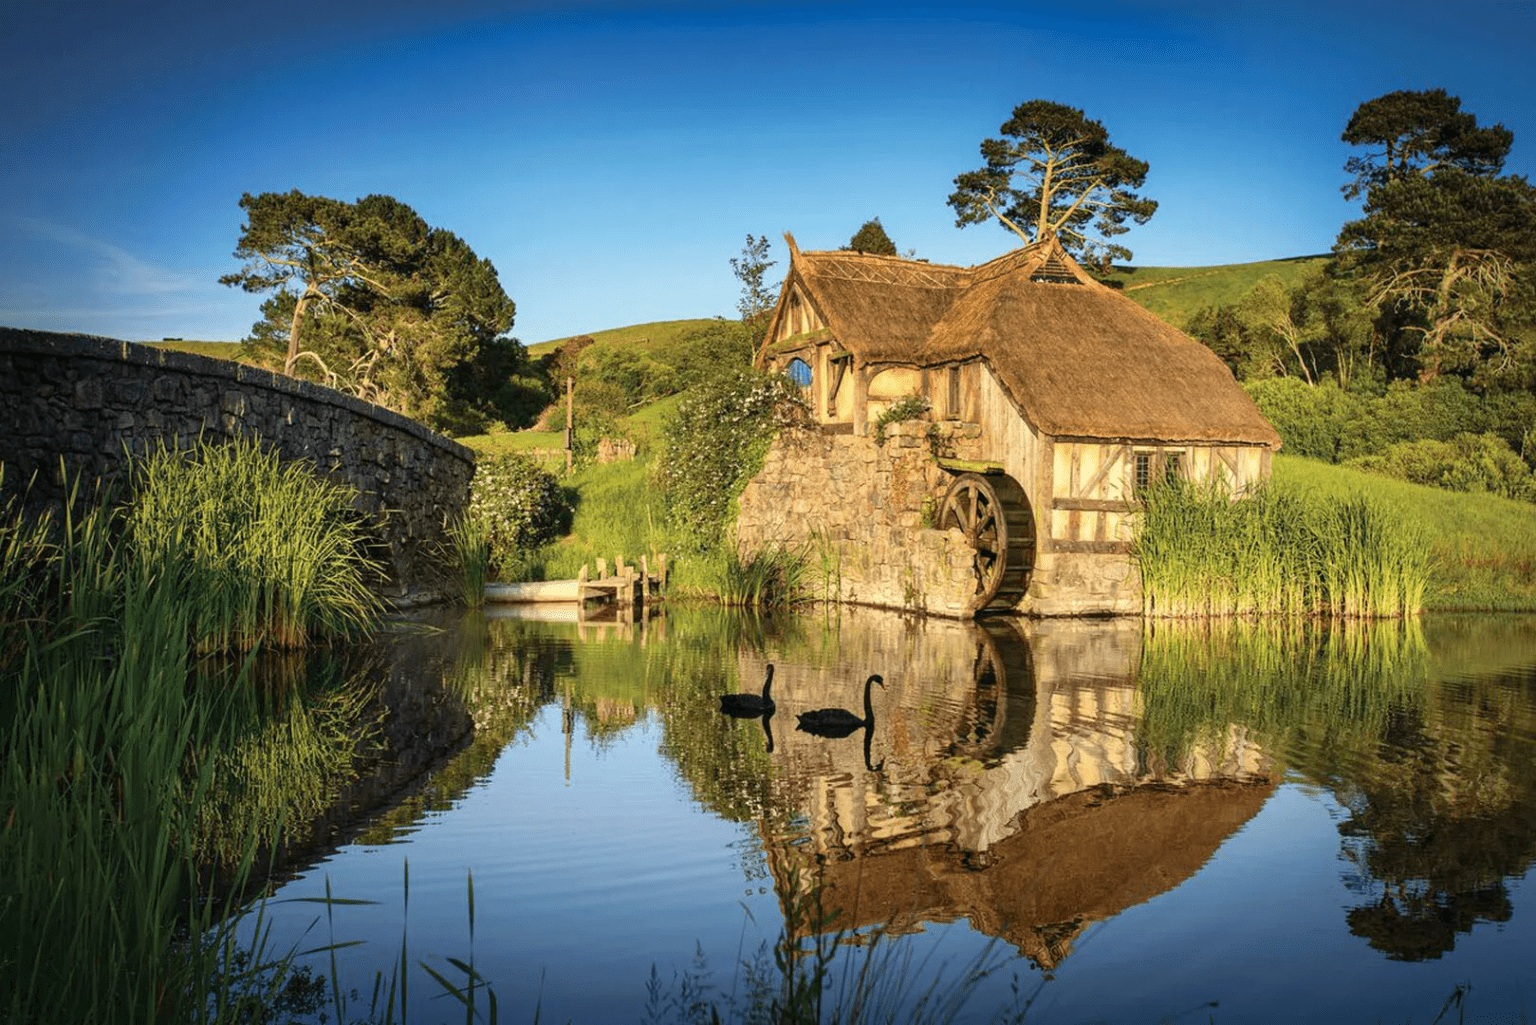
(293, 329)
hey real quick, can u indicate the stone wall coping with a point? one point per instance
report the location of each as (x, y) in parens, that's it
(28, 342)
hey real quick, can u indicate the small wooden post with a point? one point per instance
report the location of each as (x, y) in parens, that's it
(662, 569)
(602, 568)
(581, 575)
(570, 421)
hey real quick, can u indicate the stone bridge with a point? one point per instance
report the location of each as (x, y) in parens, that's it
(85, 403)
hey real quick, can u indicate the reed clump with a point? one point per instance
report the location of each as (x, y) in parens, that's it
(773, 576)
(469, 551)
(275, 554)
(1272, 552)
(118, 740)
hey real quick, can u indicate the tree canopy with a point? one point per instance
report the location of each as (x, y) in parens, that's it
(369, 298)
(1055, 173)
(1418, 133)
(1446, 244)
(871, 238)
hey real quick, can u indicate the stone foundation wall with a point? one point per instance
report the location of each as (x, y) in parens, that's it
(90, 401)
(1083, 584)
(861, 508)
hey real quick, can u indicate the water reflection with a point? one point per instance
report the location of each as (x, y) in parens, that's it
(1035, 778)
(1435, 772)
(1011, 788)
(1443, 815)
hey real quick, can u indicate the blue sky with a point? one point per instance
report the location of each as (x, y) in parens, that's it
(609, 158)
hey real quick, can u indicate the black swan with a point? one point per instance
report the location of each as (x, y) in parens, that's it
(750, 706)
(839, 722)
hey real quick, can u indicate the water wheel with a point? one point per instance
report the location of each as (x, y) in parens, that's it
(994, 514)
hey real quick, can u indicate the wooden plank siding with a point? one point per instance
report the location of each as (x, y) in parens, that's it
(1008, 438)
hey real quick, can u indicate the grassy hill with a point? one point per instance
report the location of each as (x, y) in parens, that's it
(218, 350)
(642, 336)
(1174, 293)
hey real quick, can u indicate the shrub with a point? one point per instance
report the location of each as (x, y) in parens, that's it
(521, 505)
(591, 429)
(1479, 463)
(1312, 420)
(773, 576)
(716, 443)
(1411, 412)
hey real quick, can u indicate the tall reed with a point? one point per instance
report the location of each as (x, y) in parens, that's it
(101, 768)
(773, 576)
(1202, 553)
(469, 552)
(275, 554)
(110, 761)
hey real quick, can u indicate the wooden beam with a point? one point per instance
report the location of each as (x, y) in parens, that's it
(1086, 547)
(1045, 488)
(1113, 505)
(1103, 471)
(971, 466)
(1230, 461)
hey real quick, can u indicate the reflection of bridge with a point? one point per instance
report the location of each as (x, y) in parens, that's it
(1013, 788)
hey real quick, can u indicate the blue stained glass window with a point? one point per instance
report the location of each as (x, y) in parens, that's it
(799, 371)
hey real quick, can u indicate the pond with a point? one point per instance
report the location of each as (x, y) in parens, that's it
(1239, 823)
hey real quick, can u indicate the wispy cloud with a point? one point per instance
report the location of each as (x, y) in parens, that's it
(111, 268)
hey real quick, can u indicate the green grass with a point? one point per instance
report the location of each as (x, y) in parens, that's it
(217, 350)
(617, 514)
(644, 426)
(1482, 547)
(548, 447)
(1174, 293)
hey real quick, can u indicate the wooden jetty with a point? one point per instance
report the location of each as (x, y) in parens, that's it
(625, 586)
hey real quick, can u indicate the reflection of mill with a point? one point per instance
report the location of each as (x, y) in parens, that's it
(1014, 791)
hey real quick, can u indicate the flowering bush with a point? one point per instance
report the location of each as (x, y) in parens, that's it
(716, 443)
(521, 505)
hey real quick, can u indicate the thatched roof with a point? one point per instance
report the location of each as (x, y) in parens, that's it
(1079, 359)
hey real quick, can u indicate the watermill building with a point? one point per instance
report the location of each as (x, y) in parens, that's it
(1051, 399)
